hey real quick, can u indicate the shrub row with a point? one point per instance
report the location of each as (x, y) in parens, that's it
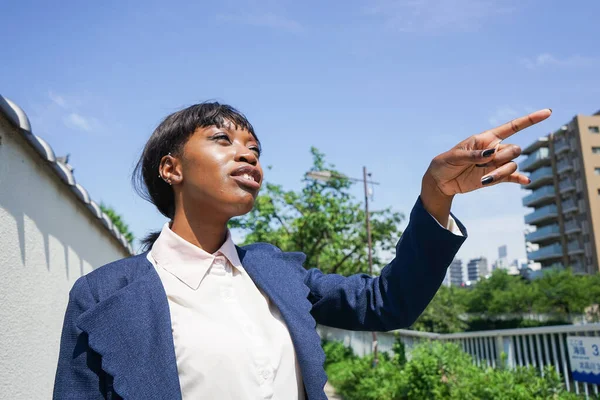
(435, 371)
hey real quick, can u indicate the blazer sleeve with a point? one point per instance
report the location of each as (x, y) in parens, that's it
(79, 374)
(397, 297)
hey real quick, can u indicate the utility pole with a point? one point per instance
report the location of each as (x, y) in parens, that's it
(370, 253)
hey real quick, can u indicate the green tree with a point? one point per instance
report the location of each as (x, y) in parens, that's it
(521, 297)
(323, 220)
(564, 293)
(117, 220)
(443, 314)
(481, 296)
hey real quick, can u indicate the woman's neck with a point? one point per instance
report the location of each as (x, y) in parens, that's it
(208, 235)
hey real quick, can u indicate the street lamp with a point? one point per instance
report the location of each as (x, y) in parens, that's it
(325, 176)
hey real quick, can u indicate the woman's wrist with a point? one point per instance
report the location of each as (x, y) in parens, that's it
(434, 200)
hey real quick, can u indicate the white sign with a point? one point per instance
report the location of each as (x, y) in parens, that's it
(584, 354)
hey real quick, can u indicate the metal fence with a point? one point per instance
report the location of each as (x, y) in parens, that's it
(536, 347)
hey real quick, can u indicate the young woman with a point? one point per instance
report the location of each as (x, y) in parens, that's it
(197, 317)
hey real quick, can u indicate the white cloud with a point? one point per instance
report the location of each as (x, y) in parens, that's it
(57, 99)
(66, 110)
(430, 16)
(549, 60)
(77, 121)
(266, 20)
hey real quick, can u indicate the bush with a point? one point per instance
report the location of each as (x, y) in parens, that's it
(436, 371)
(336, 352)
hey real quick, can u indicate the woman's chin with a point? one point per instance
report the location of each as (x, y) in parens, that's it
(244, 205)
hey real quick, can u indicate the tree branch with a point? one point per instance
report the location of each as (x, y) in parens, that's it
(314, 247)
(346, 257)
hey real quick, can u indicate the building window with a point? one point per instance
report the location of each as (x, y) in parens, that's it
(596, 150)
(597, 171)
(594, 129)
(598, 192)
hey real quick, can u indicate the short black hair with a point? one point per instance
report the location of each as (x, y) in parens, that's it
(170, 136)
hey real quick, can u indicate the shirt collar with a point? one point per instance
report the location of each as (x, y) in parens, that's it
(187, 262)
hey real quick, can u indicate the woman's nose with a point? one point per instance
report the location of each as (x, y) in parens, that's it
(246, 155)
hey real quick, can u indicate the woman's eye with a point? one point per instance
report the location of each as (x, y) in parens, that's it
(221, 137)
(256, 150)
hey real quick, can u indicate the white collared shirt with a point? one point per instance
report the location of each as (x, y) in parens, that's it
(230, 340)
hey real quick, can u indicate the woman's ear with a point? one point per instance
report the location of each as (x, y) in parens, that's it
(170, 169)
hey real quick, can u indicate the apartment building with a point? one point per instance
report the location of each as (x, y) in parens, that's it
(455, 272)
(564, 168)
(477, 268)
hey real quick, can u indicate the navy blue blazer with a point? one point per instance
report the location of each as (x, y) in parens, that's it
(117, 340)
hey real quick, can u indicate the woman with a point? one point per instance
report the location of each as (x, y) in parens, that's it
(198, 317)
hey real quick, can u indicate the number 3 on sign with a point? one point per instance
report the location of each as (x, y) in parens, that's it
(596, 351)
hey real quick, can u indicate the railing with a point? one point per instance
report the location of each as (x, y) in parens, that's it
(572, 226)
(546, 232)
(560, 146)
(540, 177)
(569, 206)
(538, 158)
(536, 347)
(574, 247)
(542, 194)
(564, 166)
(552, 251)
(541, 214)
(566, 185)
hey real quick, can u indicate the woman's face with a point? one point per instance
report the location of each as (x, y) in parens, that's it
(220, 171)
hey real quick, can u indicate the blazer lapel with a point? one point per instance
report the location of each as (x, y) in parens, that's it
(280, 276)
(131, 330)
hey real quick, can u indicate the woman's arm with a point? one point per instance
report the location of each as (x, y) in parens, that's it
(79, 374)
(397, 297)
(405, 287)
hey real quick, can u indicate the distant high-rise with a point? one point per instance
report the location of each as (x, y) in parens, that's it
(477, 268)
(502, 261)
(564, 170)
(502, 252)
(456, 272)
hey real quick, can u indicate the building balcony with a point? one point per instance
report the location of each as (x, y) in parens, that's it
(539, 158)
(541, 142)
(543, 214)
(566, 185)
(561, 146)
(539, 196)
(545, 233)
(540, 177)
(575, 248)
(572, 226)
(578, 268)
(569, 206)
(564, 166)
(546, 253)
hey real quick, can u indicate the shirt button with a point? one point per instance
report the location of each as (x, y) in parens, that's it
(266, 374)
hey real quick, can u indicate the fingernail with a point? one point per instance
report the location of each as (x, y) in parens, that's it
(488, 152)
(550, 110)
(528, 181)
(487, 180)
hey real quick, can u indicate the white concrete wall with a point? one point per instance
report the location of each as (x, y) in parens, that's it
(48, 239)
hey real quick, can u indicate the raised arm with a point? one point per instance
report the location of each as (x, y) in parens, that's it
(406, 285)
(400, 294)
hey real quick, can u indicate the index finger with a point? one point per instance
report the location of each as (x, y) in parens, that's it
(510, 128)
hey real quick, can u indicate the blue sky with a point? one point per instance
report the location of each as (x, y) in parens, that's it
(386, 84)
